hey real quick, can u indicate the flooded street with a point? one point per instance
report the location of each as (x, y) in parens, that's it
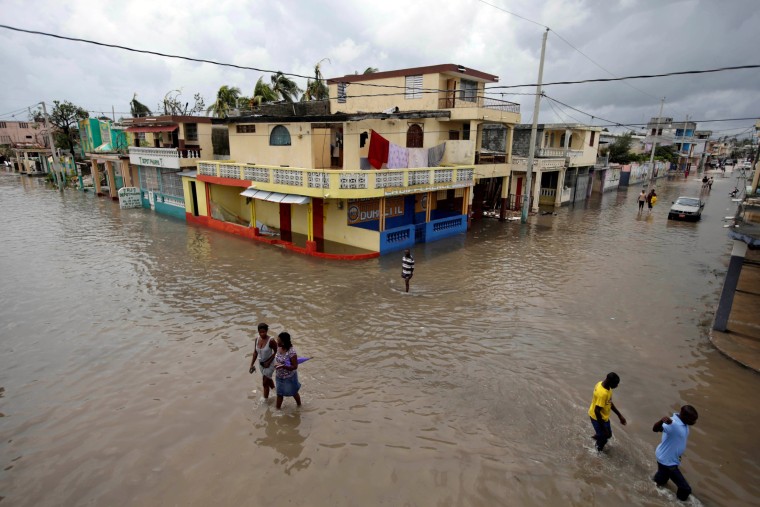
(126, 337)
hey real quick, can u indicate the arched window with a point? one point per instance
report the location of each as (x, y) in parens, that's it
(414, 136)
(279, 136)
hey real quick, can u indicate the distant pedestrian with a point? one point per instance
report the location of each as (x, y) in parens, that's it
(709, 183)
(675, 432)
(286, 366)
(601, 405)
(265, 349)
(407, 267)
(642, 200)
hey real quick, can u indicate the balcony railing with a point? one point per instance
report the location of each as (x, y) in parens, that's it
(341, 183)
(602, 162)
(165, 152)
(540, 163)
(551, 152)
(452, 102)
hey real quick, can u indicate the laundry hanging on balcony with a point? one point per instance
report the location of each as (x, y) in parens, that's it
(418, 157)
(398, 157)
(435, 155)
(378, 150)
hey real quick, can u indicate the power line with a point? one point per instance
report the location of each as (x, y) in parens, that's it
(514, 14)
(641, 76)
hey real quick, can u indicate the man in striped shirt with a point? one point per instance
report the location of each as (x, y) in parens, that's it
(407, 267)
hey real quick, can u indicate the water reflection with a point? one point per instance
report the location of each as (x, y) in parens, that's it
(281, 433)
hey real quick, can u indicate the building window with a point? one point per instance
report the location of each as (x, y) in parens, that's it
(191, 132)
(2, 125)
(413, 87)
(149, 178)
(593, 134)
(28, 137)
(469, 90)
(5, 139)
(245, 129)
(466, 132)
(23, 125)
(279, 136)
(342, 93)
(414, 136)
(171, 184)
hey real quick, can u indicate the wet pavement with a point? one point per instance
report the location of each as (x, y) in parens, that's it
(126, 337)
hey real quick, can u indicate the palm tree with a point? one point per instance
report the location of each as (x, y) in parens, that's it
(285, 88)
(226, 100)
(317, 89)
(369, 70)
(262, 93)
(137, 108)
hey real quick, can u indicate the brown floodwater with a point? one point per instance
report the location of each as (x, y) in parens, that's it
(125, 341)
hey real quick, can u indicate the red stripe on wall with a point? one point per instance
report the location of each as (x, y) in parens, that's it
(229, 182)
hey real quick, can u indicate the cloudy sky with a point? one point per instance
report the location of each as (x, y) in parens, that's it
(588, 39)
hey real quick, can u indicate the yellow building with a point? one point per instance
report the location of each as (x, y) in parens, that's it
(388, 162)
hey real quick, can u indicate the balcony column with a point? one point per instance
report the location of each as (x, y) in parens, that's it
(111, 180)
(566, 147)
(560, 186)
(95, 176)
(508, 143)
(429, 206)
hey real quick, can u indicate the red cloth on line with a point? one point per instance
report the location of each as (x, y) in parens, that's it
(378, 150)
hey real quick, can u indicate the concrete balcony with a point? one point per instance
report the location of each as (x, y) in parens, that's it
(479, 108)
(558, 152)
(171, 158)
(336, 183)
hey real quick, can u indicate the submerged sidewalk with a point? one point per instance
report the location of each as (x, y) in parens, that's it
(741, 342)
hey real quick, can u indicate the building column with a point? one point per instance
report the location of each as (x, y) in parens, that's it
(111, 180)
(504, 197)
(508, 144)
(428, 207)
(381, 222)
(536, 191)
(560, 186)
(467, 205)
(125, 173)
(729, 285)
(96, 176)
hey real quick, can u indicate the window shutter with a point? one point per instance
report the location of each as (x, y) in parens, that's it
(413, 87)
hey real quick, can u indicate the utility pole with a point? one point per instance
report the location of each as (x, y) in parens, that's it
(56, 168)
(654, 145)
(532, 148)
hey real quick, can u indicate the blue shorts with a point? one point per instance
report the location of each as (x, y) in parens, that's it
(288, 386)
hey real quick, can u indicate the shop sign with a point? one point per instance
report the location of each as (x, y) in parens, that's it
(130, 197)
(366, 210)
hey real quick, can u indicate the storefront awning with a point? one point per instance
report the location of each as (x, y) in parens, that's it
(154, 128)
(263, 195)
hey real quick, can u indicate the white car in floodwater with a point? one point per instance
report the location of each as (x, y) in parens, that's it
(686, 208)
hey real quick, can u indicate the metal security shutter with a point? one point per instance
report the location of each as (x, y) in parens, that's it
(413, 87)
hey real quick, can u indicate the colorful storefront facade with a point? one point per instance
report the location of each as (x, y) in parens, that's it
(163, 148)
(313, 182)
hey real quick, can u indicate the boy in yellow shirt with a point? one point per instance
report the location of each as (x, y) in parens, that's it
(601, 405)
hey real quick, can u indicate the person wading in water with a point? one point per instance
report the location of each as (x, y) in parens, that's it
(407, 267)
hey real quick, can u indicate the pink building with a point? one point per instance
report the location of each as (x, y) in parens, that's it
(21, 133)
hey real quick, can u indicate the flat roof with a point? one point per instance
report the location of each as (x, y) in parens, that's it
(153, 120)
(432, 69)
(333, 118)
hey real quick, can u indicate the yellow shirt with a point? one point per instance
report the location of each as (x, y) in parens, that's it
(602, 398)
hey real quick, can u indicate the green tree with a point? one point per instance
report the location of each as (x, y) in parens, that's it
(284, 87)
(620, 150)
(137, 108)
(64, 120)
(666, 153)
(316, 89)
(262, 93)
(368, 70)
(226, 100)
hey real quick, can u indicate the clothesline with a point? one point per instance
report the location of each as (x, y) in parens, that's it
(392, 156)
